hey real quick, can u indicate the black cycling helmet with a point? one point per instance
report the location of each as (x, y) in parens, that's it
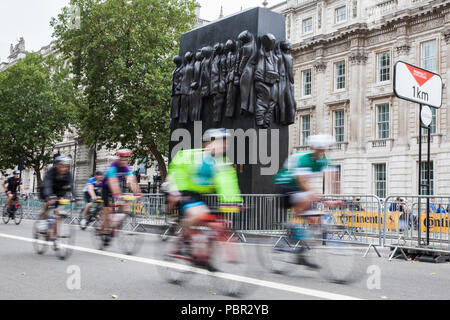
(98, 173)
(16, 172)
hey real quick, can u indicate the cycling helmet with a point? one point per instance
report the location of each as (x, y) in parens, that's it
(321, 142)
(124, 153)
(16, 172)
(98, 173)
(215, 134)
(65, 160)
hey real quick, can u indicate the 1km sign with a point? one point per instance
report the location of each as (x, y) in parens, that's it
(417, 85)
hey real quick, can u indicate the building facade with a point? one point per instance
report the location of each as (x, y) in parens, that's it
(344, 52)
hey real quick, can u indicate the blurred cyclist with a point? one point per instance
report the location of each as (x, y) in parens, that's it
(293, 178)
(293, 182)
(118, 174)
(57, 182)
(202, 171)
(11, 185)
(91, 192)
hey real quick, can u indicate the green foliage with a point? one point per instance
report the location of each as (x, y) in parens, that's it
(121, 56)
(37, 103)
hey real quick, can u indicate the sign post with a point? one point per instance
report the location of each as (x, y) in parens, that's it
(424, 87)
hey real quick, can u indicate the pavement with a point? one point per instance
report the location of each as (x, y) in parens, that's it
(104, 275)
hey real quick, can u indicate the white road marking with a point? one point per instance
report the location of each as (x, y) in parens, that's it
(257, 282)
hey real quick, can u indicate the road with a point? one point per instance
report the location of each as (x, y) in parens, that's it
(110, 275)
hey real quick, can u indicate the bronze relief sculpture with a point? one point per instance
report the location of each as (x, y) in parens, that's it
(250, 76)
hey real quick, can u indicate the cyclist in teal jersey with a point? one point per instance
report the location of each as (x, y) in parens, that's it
(293, 178)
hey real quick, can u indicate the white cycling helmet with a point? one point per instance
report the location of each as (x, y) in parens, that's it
(215, 134)
(321, 142)
(64, 160)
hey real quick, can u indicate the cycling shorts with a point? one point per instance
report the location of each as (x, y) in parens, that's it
(192, 200)
(292, 194)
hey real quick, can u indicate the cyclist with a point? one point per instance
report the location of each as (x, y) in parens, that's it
(293, 179)
(56, 184)
(91, 192)
(11, 185)
(116, 177)
(203, 171)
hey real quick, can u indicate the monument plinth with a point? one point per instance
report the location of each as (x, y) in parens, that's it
(236, 73)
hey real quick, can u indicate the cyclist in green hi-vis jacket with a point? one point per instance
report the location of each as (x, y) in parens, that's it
(197, 172)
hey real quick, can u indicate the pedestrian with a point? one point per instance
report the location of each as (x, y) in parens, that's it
(441, 209)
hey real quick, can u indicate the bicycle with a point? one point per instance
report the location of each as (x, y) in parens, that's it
(93, 214)
(56, 231)
(211, 245)
(120, 224)
(315, 241)
(15, 211)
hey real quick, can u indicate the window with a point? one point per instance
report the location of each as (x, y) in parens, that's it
(306, 81)
(339, 78)
(424, 178)
(433, 123)
(307, 25)
(380, 180)
(383, 67)
(337, 187)
(306, 129)
(428, 55)
(383, 121)
(341, 14)
(339, 125)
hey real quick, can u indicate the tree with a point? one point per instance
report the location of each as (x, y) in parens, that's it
(37, 99)
(121, 55)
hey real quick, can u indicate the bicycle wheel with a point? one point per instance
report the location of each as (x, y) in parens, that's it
(5, 214)
(18, 216)
(167, 250)
(129, 241)
(81, 218)
(172, 230)
(340, 261)
(97, 239)
(230, 257)
(40, 243)
(278, 255)
(66, 237)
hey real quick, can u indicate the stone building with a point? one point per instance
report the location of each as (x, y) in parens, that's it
(344, 52)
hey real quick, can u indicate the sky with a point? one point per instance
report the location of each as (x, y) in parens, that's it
(30, 19)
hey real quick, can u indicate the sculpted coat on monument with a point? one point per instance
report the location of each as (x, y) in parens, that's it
(196, 96)
(205, 72)
(286, 101)
(218, 87)
(266, 77)
(231, 78)
(186, 90)
(176, 87)
(247, 63)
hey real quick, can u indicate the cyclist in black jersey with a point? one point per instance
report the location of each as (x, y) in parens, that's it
(11, 185)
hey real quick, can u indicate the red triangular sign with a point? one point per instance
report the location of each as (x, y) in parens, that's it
(420, 75)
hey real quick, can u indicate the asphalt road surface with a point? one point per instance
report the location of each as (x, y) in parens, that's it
(110, 274)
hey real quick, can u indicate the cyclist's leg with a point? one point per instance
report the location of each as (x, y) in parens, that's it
(193, 213)
(10, 197)
(88, 199)
(300, 202)
(106, 210)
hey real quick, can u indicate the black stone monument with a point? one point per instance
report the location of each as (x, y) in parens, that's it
(259, 22)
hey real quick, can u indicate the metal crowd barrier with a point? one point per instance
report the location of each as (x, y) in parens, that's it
(405, 224)
(359, 219)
